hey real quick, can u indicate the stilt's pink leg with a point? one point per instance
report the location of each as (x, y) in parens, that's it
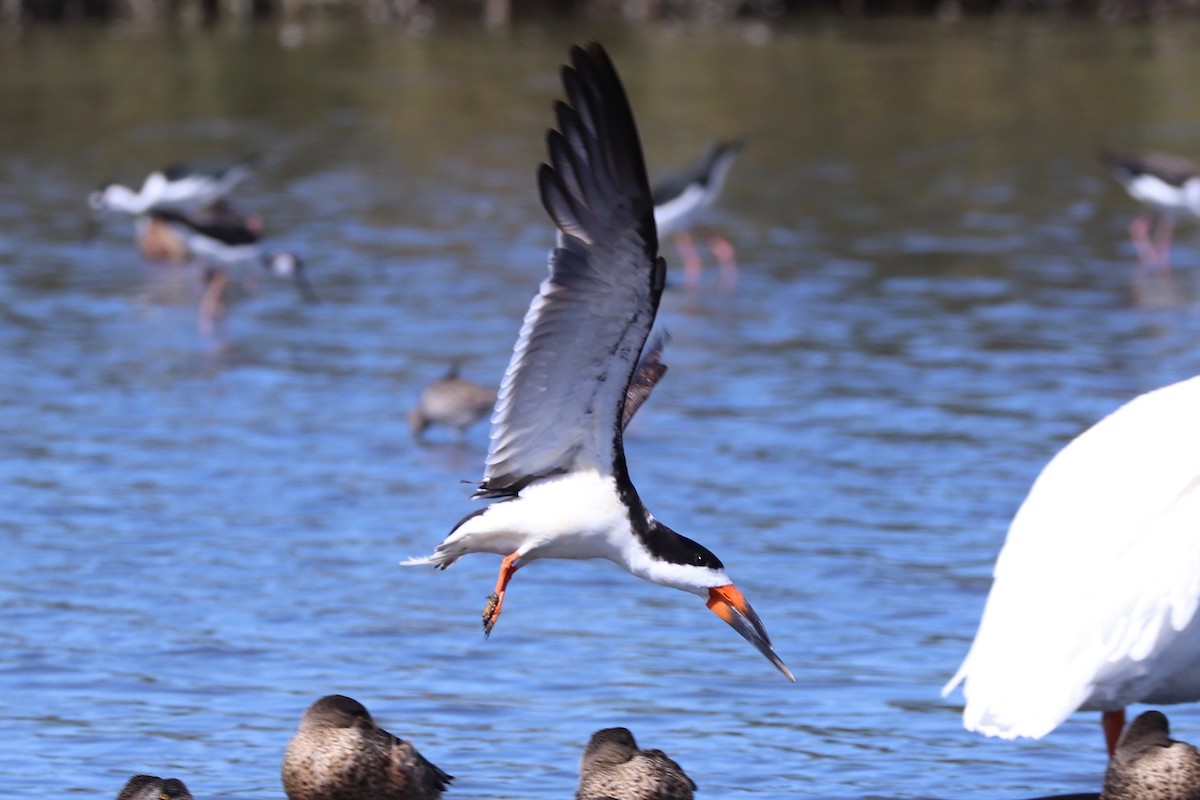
(1166, 226)
(723, 250)
(690, 258)
(212, 304)
(1139, 233)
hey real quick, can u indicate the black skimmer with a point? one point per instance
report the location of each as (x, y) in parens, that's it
(1168, 186)
(1150, 765)
(339, 752)
(453, 401)
(148, 787)
(179, 187)
(1094, 601)
(679, 199)
(613, 767)
(557, 460)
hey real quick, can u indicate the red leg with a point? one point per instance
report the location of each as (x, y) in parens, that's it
(723, 250)
(1113, 723)
(1162, 248)
(1139, 232)
(212, 303)
(690, 259)
(491, 612)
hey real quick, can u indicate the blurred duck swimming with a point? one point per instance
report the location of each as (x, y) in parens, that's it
(1149, 765)
(149, 787)
(340, 753)
(613, 768)
(452, 401)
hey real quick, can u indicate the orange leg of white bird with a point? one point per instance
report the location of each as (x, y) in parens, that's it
(491, 612)
(1113, 723)
(690, 258)
(723, 250)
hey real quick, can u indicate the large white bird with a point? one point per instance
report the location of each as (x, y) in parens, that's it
(1094, 601)
(557, 459)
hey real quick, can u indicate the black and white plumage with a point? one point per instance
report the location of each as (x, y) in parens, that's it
(149, 787)
(339, 753)
(453, 401)
(557, 460)
(180, 187)
(229, 244)
(1168, 186)
(680, 199)
(1149, 765)
(613, 767)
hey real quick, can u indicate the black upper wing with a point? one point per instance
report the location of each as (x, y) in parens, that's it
(560, 403)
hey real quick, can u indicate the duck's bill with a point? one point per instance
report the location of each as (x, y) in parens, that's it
(729, 604)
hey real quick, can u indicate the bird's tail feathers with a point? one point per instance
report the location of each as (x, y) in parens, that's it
(439, 560)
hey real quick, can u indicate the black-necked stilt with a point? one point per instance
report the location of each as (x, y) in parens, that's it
(179, 187)
(149, 787)
(1168, 186)
(453, 401)
(158, 240)
(613, 767)
(339, 752)
(556, 460)
(1094, 601)
(226, 246)
(1150, 765)
(679, 199)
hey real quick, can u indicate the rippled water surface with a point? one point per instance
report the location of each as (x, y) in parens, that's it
(202, 533)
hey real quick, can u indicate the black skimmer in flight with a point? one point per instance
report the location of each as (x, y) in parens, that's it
(557, 461)
(339, 752)
(179, 187)
(453, 401)
(226, 246)
(1150, 765)
(613, 767)
(1095, 596)
(1168, 186)
(148, 787)
(679, 199)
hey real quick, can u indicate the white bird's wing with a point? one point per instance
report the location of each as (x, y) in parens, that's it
(1096, 590)
(561, 399)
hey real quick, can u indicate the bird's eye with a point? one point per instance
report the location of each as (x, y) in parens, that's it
(164, 796)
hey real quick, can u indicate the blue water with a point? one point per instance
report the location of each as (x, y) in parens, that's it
(202, 532)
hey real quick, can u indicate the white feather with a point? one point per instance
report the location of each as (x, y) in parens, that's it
(1095, 594)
